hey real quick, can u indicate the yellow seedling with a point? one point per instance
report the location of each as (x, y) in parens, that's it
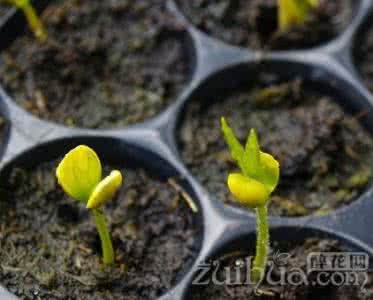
(35, 24)
(294, 12)
(80, 175)
(252, 187)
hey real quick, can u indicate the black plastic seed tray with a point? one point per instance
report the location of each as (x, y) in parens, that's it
(216, 67)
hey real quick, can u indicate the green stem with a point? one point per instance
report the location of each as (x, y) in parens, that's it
(32, 17)
(106, 244)
(262, 244)
(35, 23)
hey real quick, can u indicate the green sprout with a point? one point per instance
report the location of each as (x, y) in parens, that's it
(252, 187)
(79, 174)
(32, 17)
(294, 12)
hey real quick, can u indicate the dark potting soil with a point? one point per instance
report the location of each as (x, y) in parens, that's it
(291, 265)
(254, 23)
(105, 64)
(363, 56)
(325, 154)
(50, 247)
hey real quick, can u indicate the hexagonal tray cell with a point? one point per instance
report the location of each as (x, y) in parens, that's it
(254, 23)
(300, 113)
(49, 245)
(105, 64)
(286, 275)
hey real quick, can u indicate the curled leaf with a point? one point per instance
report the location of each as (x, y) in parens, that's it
(105, 190)
(79, 172)
(270, 173)
(247, 191)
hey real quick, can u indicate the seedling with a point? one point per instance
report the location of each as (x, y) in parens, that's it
(35, 24)
(252, 187)
(79, 174)
(294, 12)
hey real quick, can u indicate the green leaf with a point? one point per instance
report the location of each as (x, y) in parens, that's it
(252, 154)
(270, 173)
(260, 165)
(79, 172)
(294, 12)
(105, 190)
(236, 149)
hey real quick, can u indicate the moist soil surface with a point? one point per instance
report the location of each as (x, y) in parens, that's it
(50, 248)
(105, 64)
(254, 23)
(296, 260)
(364, 58)
(324, 153)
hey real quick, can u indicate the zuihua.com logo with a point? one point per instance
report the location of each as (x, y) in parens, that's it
(319, 269)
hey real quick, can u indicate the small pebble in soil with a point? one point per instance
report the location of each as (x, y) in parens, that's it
(50, 246)
(324, 153)
(254, 23)
(105, 64)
